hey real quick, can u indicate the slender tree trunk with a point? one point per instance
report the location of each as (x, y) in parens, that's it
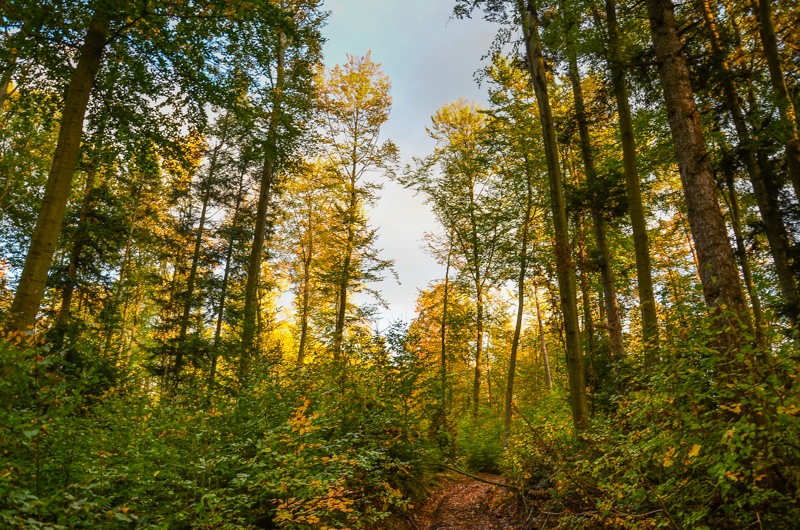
(785, 105)
(306, 298)
(59, 182)
(641, 244)
(741, 253)
(188, 303)
(583, 280)
(564, 262)
(476, 385)
(77, 247)
(190, 286)
(512, 360)
(443, 332)
(224, 291)
(545, 359)
(599, 223)
(718, 272)
(346, 275)
(774, 225)
(267, 174)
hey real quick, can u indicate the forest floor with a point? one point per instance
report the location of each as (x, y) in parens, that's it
(462, 503)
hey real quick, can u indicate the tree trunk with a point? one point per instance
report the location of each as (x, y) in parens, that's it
(190, 285)
(512, 360)
(564, 262)
(77, 247)
(267, 174)
(59, 182)
(718, 272)
(767, 202)
(545, 359)
(782, 95)
(224, 291)
(476, 385)
(744, 263)
(641, 244)
(599, 223)
(306, 297)
(348, 259)
(443, 364)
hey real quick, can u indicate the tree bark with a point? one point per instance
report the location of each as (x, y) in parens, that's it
(641, 243)
(564, 262)
(783, 98)
(267, 176)
(598, 222)
(767, 202)
(32, 282)
(718, 273)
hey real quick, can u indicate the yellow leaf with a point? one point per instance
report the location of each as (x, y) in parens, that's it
(156, 473)
(283, 487)
(695, 450)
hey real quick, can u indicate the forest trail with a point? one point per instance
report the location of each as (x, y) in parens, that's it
(467, 504)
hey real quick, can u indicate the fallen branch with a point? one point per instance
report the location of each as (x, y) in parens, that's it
(510, 486)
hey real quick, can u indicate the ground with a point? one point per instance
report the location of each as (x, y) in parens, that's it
(463, 503)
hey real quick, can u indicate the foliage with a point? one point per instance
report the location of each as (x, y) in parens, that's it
(303, 449)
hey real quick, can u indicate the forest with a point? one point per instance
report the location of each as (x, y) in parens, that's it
(190, 275)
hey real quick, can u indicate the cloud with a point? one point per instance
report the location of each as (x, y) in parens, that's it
(431, 60)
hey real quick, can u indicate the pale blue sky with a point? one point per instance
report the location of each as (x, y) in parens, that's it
(430, 59)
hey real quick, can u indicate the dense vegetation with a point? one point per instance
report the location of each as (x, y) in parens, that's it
(189, 275)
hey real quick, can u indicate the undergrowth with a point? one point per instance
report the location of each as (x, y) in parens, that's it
(691, 444)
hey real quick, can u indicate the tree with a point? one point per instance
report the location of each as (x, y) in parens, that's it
(354, 101)
(716, 264)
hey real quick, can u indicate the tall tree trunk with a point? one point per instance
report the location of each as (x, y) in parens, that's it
(77, 246)
(188, 303)
(59, 182)
(301, 352)
(785, 105)
(190, 286)
(564, 262)
(718, 272)
(641, 244)
(476, 385)
(224, 291)
(744, 263)
(267, 174)
(598, 222)
(346, 275)
(767, 202)
(586, 298)
(443, 333)
(545, 359)
(512, 360)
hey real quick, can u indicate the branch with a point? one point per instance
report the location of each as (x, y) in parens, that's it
(510, 486)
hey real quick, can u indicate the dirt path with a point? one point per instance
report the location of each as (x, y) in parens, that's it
(466, 504)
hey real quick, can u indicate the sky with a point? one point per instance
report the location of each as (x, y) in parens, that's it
(431, 60)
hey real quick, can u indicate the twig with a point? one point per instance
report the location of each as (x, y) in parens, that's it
(412, 522)
(479, 478)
